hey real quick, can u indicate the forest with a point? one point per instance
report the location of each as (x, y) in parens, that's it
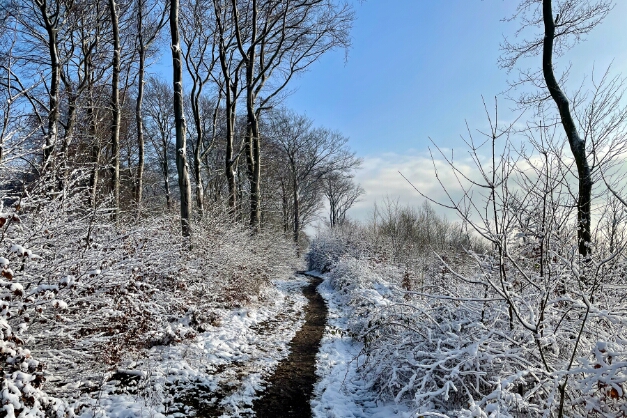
(157, 207)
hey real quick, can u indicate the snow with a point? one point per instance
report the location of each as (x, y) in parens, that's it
(229, 362)
(15, 248)
(67, 281)
(59, 304)
(16, 287)
(340, 392)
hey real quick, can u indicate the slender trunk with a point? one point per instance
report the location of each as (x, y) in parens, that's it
(252, 135)
(55, 78)
(332, 210)
(240, 194)
(95, 147)
(296, 209)
(253, 162)
(139, 186)
(95, 155)
(577, 145)
(7, 109)
(179, 121)
(253, 165)
(230, 91)
(250, 166)
(284, 207)
(228, 158)
(115, 110)
(68, 132)
(196, 92)
(255, 209)
(71, 122)
(166, 181)
(200, 191)
(93, 179)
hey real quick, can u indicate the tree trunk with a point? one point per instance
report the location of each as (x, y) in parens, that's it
(252, 130)
(93, 179)
(55, 78)
(115, 110)
(179, 121)
(95, 155)
(200, 192)
(195, 101)
(253, 164)
(139, 121)
(68, 132)
(71, 122)
(229, 160)
(166, 181)
(230, 92)
(296, 210)
(284, 207)
(577, 145)
(255, 195)
(95, 147)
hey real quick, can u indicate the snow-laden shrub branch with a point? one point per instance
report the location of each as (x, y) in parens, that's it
(85, 294)
(454, 351)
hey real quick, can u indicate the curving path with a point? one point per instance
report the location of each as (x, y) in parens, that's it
(289, 389)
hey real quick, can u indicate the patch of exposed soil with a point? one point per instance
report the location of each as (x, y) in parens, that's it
(289, 389)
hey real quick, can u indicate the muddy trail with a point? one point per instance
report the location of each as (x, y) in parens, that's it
(288, 390)
(290, 387)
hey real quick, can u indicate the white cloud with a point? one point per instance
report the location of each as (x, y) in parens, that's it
(380, 176)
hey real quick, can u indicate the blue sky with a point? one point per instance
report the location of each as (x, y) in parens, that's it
(417, 69)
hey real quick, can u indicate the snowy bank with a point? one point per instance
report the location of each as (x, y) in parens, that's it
(220, 372)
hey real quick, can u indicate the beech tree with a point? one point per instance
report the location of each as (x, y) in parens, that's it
(342, 193)
(228, 82)
(277, 40)
(310, 154)
(179, 120)
(160, 127)
(149, 24)
(115, 106)
(79, 70)
(15, 98)
(32, 18)
(200, 38)
(564, 23)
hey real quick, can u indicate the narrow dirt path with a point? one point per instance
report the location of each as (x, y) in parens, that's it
(289, 389)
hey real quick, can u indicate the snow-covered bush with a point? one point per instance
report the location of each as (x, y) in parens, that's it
(436, 356)
(522, 326)
(457, 351)
(324, 252)
(85, 294)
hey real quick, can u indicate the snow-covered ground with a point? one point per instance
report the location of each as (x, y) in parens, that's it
(218, 373)
(340, 392)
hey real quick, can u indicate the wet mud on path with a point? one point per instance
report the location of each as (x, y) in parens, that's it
(290, 387)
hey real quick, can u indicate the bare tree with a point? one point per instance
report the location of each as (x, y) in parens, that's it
(179, 120)
(15, 99)
(33, 17)
(200, 38)
(310, 154)
(562, 28)
(115, 106)
(149, 24)
(277, 40)
(228, 81)
(521, 203)
(342, 193)
(160, 127)
(78, 72)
